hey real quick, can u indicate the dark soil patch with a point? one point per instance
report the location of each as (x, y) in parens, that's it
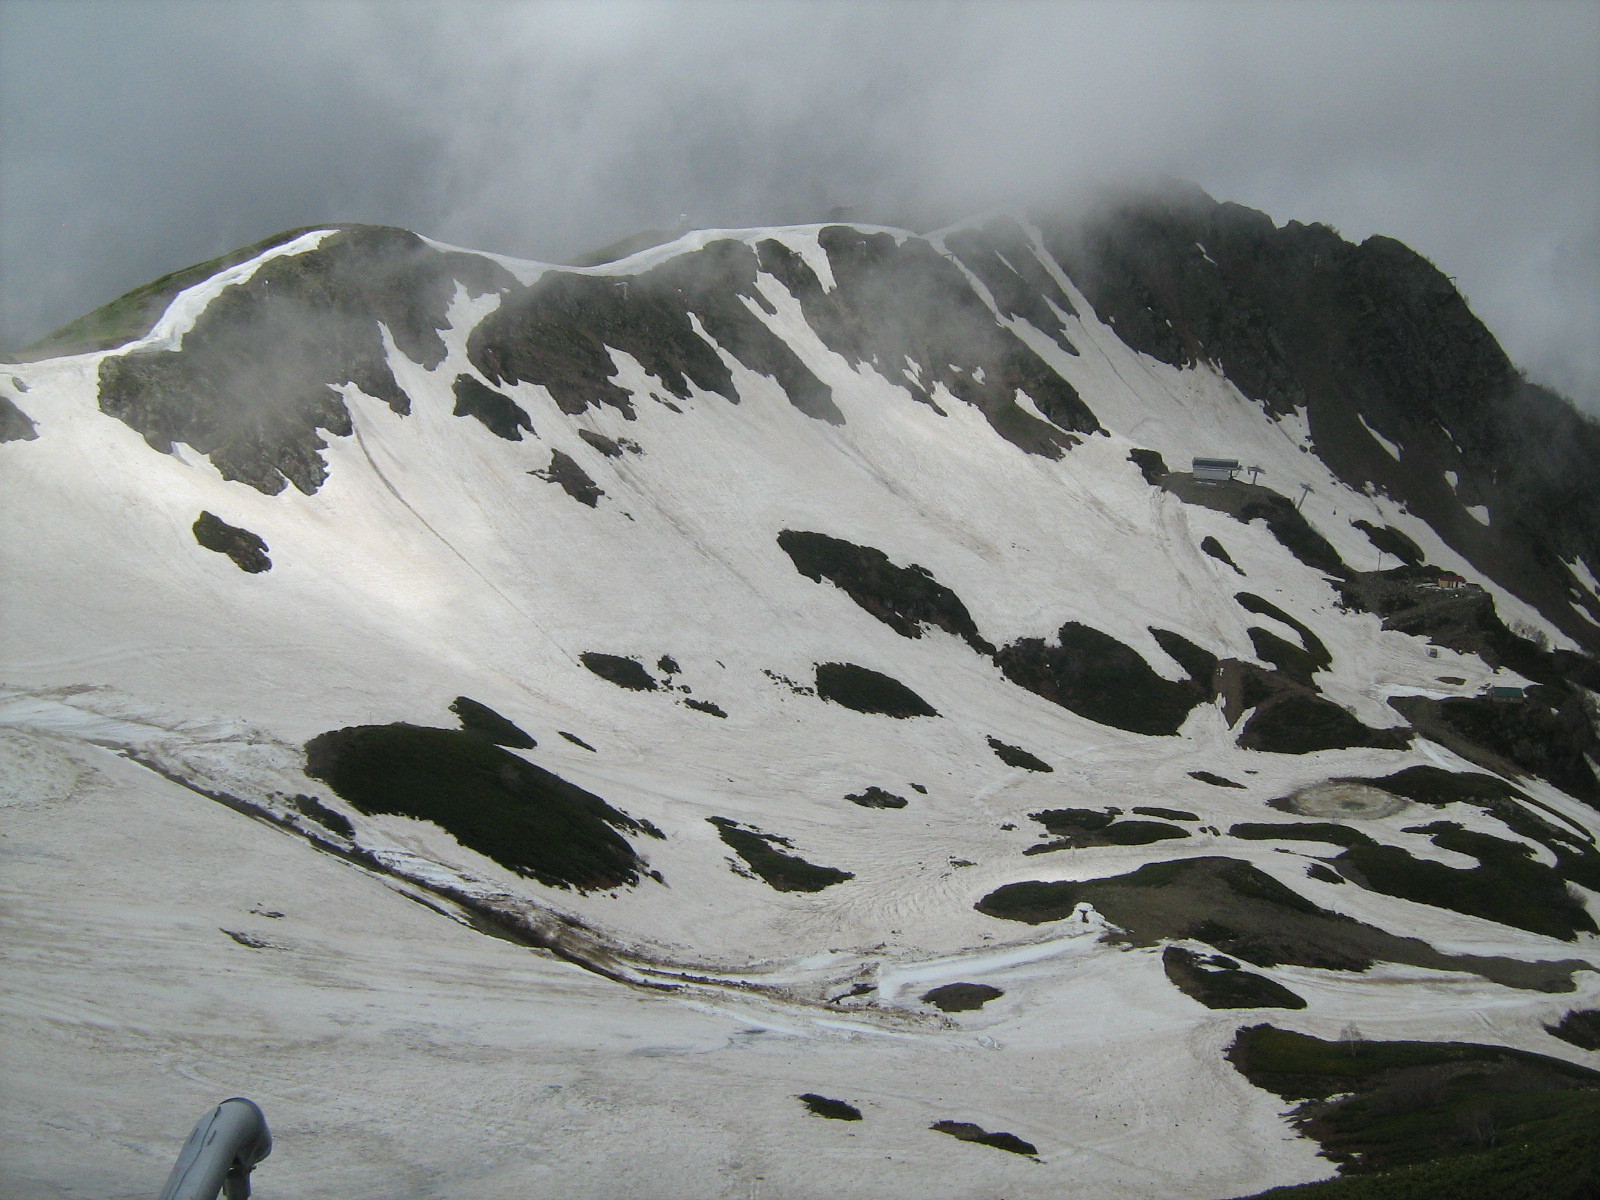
(1016, 756)
(1549, 733)
(600, 442)
(1094, 675)
(1072, 836)
(246, 549)
(904, 598)
(1381, 1105)
(523, 817)
(572, 478)
(834, 1110)
(1166, 814)
(1217, 982)
(1282, 654)
(1214, 779)
(969, 1132)
(1581, 1027)
(1199, 662)
(1250, 502)
(706, 706)
(500, 414)
(1215, 549)
(577, 741)
(784, 872)
(876, 797)
(1302, 724)
(1152, 466)
(961, 997)
(1312, 644)
(250, 940)
(316, 810)
(1391, 541)
(1064, 822)
(1509, 885)
(868, 691)
(1242, 911)
(484, 721)
(1323, 874)
(624, 672)
(15, 425)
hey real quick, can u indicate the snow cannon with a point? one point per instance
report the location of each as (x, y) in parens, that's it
(220, 1154)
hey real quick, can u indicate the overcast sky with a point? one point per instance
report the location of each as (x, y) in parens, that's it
(144, 135)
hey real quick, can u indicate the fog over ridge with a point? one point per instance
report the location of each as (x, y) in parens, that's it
(141, 138)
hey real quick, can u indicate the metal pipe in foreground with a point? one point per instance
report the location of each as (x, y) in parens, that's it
(224, 1147)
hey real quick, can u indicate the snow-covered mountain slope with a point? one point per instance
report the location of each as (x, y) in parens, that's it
(778, 626)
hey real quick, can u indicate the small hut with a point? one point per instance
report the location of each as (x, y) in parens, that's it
(1216, 470)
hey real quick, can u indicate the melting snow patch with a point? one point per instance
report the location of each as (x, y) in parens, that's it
(1394, 451)
(1480, 513)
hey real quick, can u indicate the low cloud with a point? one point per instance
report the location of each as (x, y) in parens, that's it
(140, 138)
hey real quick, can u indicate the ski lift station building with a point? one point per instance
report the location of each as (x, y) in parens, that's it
(1216, 470)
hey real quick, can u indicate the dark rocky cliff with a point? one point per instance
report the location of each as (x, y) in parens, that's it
(1297, 317)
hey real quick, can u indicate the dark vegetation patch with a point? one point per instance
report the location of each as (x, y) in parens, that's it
(917, 787)
(1312, 645)
(1323, 874)
(250, 940)
(668, 665)
(784, 872)
(1581, 1027)
(968, 1132)
(1218, 982)
(1215, 549)
(1214, 779)
(525, 818)
(799, 689)
(1151, 465)
(316, 810)
(904, 598)
(255, 380)
(484, 721)
(961, 997)
(1166, 814)
(1376, 1106)
(1077, 828)
(559, 333)
(577, 741)
(1002, 256)
(834, 1110)
(1199, 662)
(133, 314)
(876, 797)
(1094, 675)
(1508, 885)
(1241, 911)
(15, 425)
(1016, 756)
(624, 672)
(500, 414)
(600, 442)
(572, 478)
(1251, 502)
(869, 691)
(1282, 654)
(1303, 723)
(1549, 733)
(246, 549)
(706, 706)
(896, 305)
(1390, 540)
